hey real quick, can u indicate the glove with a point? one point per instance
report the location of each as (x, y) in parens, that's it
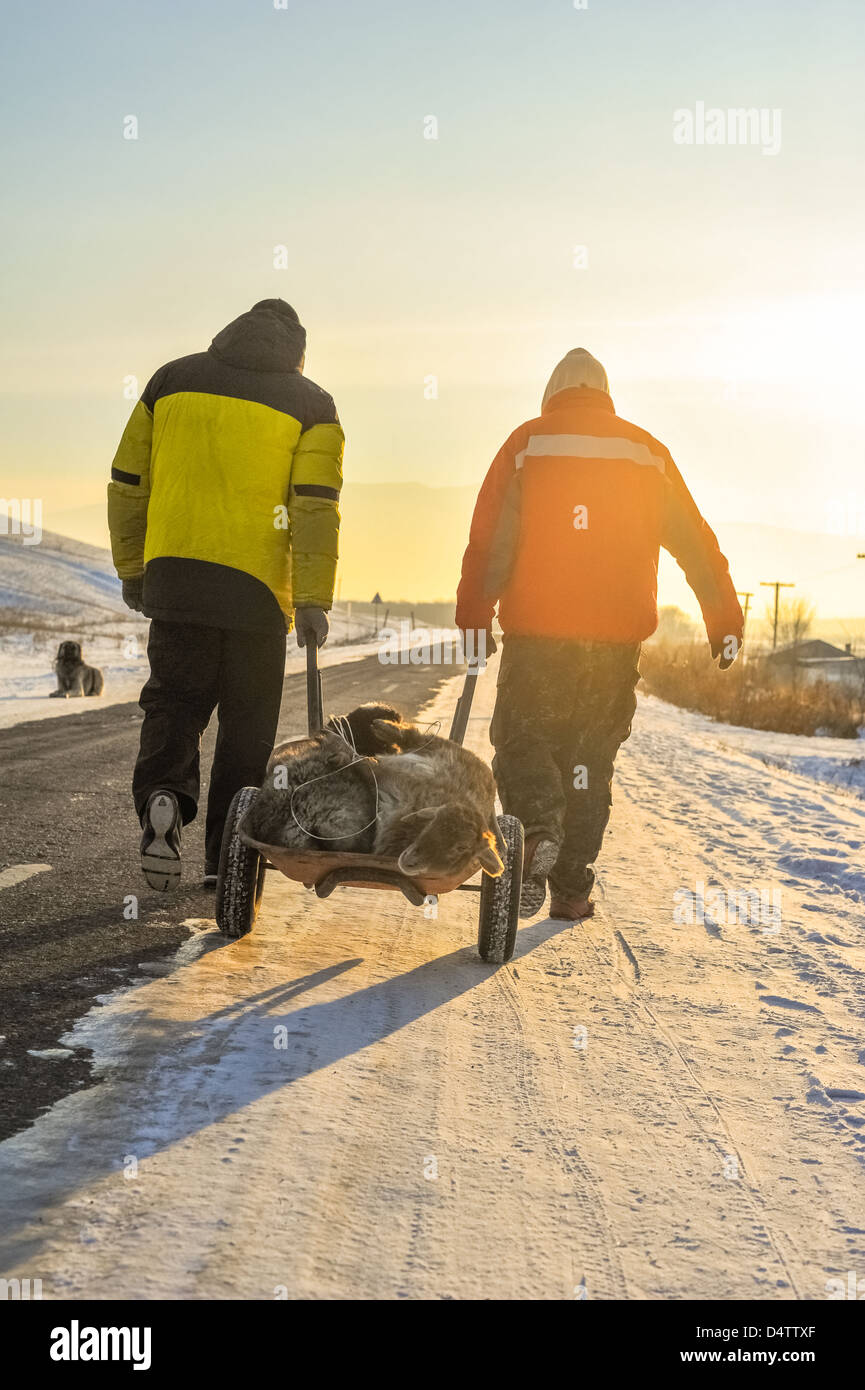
(133, 593)
(722, 651)
(311, 625)
(482, 642)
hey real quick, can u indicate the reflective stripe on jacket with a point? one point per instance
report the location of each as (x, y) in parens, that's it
(568, 525)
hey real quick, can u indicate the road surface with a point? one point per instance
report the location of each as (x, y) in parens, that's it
(69, 866)
(348, 1104)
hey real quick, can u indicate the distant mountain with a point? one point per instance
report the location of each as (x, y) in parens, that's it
(822, 566)
(69, 587)
(406, 541)
(88, 524)
(403, 540)
(59, 580)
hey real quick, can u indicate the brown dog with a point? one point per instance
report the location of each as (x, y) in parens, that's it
(74, 676)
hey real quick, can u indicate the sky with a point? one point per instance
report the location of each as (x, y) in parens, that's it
(722, 286)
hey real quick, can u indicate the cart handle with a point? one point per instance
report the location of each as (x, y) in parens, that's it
(314, 709)
(314, 706)
(464, 703)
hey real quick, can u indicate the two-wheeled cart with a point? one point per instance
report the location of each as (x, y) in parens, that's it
(243, 861)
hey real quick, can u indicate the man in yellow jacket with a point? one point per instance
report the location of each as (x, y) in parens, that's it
(224, 519)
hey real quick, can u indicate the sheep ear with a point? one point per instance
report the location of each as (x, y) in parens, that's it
(491, 862)
(489, 858)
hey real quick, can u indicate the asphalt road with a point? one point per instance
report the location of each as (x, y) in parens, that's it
(67, 934)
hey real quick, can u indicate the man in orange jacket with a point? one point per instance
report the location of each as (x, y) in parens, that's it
(565, 537)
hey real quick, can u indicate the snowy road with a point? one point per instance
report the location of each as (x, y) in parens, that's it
(349, 1104)
(27, 674)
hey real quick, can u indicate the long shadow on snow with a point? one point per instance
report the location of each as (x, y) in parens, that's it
(184, 1076)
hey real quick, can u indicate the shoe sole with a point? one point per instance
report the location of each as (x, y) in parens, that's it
(534, 890)
(160, 863)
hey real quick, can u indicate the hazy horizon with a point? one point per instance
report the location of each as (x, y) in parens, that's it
(756, 552)
(441, 279)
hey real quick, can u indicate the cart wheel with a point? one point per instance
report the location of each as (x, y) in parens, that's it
(500, 898)
(240, 882)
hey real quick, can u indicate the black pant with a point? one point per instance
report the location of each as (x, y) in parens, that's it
(193, 670)
(562, 711)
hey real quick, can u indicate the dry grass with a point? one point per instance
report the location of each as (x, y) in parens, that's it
(48, 628)
(747, 694)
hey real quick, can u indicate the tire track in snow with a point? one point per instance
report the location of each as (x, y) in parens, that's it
(584, 1186)
(752, 1191)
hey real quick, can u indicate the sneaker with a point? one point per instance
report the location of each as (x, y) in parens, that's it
(160, 842)
(539, 856)
(570, 909)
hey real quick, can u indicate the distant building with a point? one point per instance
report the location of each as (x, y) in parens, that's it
(816, 660)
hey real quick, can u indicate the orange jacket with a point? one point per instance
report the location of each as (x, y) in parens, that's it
(567, 528)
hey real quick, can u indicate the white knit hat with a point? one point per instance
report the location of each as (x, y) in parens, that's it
(577, 368)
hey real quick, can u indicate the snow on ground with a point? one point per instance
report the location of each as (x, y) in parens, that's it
(27, 676)
(839, 761)
(789, 779)
(63, 589)
(664, 1102)
(58, 578)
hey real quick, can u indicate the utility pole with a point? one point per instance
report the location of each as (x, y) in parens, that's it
(777, 585)
(747, 598)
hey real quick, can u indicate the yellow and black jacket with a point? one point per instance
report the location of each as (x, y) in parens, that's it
(224, 491)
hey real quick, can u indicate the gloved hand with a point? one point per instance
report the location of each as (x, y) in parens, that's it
(311, 625)
(133, 593)
(480, 643)
(726, 650)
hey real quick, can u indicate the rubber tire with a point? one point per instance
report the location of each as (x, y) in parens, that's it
(500, 899)
(240, 880)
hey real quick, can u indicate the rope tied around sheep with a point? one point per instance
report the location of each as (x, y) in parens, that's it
(338, 724)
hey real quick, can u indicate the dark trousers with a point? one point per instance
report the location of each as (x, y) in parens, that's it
(194, 670)
(562, 711)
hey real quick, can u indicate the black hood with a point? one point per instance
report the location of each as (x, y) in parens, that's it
(269, 337)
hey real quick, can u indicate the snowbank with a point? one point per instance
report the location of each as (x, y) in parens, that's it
(837, 761)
